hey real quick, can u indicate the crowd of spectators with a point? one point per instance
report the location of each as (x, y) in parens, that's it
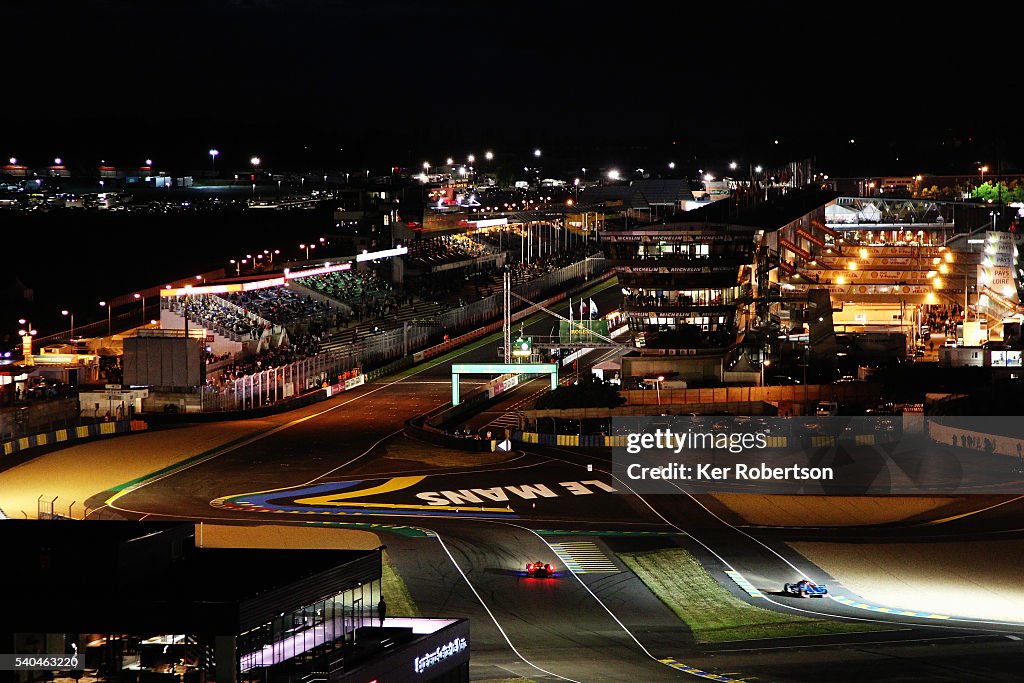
(213, 311)
(944, 319)
(301, 346)
(349, 286)
(210, 357)
(366, 293)
(435, 251)
(524, 272)
(281, 306)
(498, 239)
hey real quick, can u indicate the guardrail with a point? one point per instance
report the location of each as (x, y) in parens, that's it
(62, 436)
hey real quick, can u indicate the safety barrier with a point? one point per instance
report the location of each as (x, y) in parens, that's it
(997, 444)
(619, 440)
(62, 436)
(803, 393)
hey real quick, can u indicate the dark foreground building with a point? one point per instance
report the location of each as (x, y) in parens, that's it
(145, 602)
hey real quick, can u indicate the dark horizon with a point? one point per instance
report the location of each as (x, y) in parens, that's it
(345, 84)
(125, 144)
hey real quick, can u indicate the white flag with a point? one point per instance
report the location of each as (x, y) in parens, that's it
(593, 308)
(570, 310)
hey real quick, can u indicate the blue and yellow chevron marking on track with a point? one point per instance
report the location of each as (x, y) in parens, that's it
(393, 484)
(742, 582)
(850, 602)
(685, 668)
(341, 498)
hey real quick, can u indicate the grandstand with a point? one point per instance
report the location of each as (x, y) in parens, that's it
(352, 288)
(445, 250)
(281, 306)
(421, 313)
(223, 317)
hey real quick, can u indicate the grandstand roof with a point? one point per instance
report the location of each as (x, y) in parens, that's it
(662, 190)
(644, 193)
(769, 215)
(535, 215)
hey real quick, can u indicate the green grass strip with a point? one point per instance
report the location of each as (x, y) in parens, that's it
(713, 613)
(395, 592)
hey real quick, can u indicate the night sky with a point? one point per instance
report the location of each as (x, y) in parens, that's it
(336, 83)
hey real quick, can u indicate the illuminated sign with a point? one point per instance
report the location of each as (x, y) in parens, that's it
(799, 251)
(421, 664)
(323, 270)
(677, 237)
(522, 347)
(678, 269)
(812, 238)
(504, 368)
(489, 223)
(397, 251)
(222, 289)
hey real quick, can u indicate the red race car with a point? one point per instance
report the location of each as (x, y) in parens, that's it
(539, 570)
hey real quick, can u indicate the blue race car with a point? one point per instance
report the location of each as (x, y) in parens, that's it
(805, 589)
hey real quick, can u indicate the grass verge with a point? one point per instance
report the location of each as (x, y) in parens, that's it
(395, 592)
(712, 613)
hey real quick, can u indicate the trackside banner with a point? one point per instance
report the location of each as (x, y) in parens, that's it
(826, 455)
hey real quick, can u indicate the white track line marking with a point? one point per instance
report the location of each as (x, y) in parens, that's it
(917, 623)
(491, 614)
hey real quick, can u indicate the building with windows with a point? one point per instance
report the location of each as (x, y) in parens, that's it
(702, 290)
(147, 602)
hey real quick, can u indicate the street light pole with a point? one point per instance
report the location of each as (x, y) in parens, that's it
(657, 387)
(255, 161)
(26, 335)
(104, 304)
(143, 299)
(71, 333)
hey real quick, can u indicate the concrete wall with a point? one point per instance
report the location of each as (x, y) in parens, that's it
(689, 368)
(170, 320)
(1002, 445)
(36, 417)
(848, 392)
(182, 402)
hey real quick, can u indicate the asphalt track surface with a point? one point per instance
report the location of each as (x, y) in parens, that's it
(483, 523)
